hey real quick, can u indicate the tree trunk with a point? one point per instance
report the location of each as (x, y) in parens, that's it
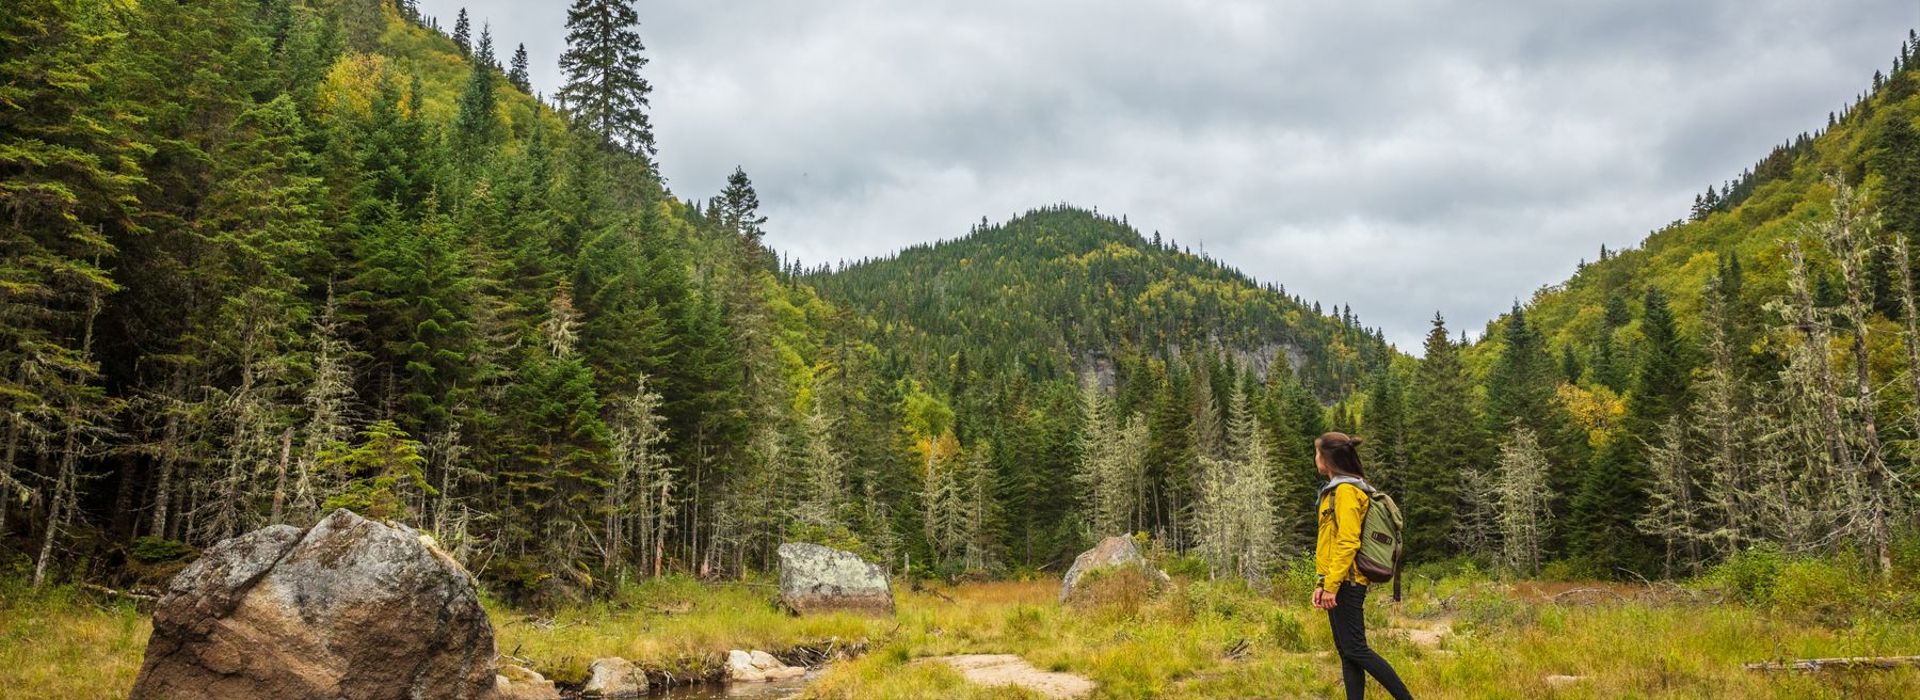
(280, 476)
(163, 488)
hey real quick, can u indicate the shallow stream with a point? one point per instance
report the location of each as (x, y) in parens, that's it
(771, 690)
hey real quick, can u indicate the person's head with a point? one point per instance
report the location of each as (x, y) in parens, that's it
(1338, 454)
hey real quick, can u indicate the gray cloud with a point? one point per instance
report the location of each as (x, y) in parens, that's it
(1399, 156)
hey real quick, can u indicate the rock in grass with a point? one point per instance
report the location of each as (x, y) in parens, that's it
(823, 579)
(350, 608)
(756, 666)
(614, 677)
(516, 683)
(1112, 552)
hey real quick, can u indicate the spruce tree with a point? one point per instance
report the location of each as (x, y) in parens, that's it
(517, 70)
(602, 63)
(1613, 496)
(1446, 443)
(463, 32)
(477, 128)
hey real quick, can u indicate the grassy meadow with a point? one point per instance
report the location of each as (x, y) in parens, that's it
(1459, 634)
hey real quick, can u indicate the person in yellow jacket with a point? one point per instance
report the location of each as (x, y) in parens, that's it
(1342, 590)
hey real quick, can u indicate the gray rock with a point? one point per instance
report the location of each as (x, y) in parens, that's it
(756, 666)
(821, 579)
(614, 677)
(517, 683)
(350, 609)
(1116, 551)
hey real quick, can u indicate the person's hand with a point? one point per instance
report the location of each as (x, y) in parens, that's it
(1324, 599)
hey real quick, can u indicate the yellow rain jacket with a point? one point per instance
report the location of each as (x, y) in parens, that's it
(1342, 514)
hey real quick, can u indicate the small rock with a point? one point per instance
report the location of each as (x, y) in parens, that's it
(820, 579)
(519, 683)
(614, 677)
(756, 666)
(1113, 551)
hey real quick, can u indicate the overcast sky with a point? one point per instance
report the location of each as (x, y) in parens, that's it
(1403, 157)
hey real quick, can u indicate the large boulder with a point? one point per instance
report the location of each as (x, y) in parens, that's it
(348, 609)
(1112, 553)
(820, 579)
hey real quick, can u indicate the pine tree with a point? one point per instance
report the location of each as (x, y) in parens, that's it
(463, 32)
(557, 475)
(517, 70)
(70, 168)
(603, 60)
(476, 127)
(1446, 444)
(1613, 493)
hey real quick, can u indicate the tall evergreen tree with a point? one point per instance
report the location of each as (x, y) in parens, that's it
(1613, 496)
(517, 70)
(602, 63)
(1446, 443)
(463, 32)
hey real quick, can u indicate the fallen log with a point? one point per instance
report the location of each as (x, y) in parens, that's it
(1836, 662)
(142, 598)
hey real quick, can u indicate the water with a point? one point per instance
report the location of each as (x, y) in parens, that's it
(771, 690)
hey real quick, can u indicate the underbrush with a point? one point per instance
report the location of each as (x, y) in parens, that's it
(1191, 638)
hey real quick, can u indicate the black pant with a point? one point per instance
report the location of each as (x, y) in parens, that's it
(1357, 660)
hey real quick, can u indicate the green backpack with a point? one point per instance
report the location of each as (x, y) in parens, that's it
(1380, 542)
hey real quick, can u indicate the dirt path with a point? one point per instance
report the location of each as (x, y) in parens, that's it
(1007, 669)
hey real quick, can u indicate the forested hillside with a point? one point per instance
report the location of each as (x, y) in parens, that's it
(1743, 378)
(266, 258)
(1063, 283)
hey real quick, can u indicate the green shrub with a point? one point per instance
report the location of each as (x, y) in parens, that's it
(1749, 576)
(1185, 566)
(1284, 630)
(1294, 580)
(1830, 590)
(154, 550)
(1574, 569)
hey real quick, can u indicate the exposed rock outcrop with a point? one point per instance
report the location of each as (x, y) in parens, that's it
(349, 609)
(821, 579)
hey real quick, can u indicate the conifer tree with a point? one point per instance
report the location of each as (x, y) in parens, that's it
(1524, 501)
(1613, 494)
(1234, 520)
(1851, 237)
(463, 32)
(1447, 443)
(602, 63)
(517, 70)
(476, 127)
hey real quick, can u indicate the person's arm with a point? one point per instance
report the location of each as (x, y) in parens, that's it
(1348, 510)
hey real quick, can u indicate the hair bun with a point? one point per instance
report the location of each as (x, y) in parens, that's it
(1354, 440)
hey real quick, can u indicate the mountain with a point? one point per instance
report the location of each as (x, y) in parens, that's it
(1751, 365)
(1062, 289)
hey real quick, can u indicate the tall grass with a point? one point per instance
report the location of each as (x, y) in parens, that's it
(59, 643)
(1192, 639)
